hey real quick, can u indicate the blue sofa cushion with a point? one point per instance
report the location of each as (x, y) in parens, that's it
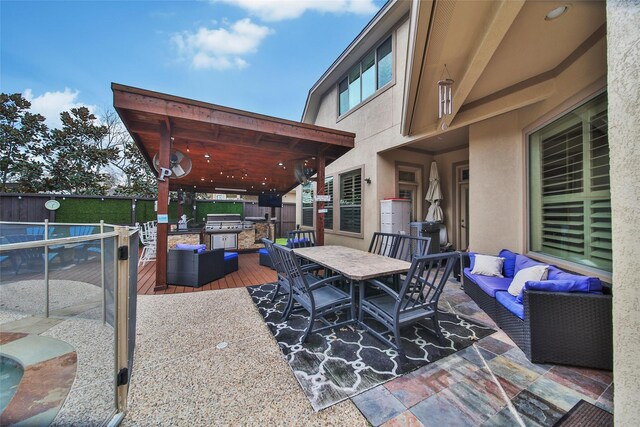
(523, 262)
(472, 260)
(230, 255)
(185, 247)
(489, 284)
(263, 251)
(509, 265)
(550, 286)
(584, 283)
(510, 303)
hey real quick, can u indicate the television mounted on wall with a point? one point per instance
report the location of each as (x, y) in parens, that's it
(270, 200)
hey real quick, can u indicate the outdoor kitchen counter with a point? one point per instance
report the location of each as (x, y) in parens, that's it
(190, 237)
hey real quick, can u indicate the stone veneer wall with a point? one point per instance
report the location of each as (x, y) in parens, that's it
(623, 54)
(190, 239)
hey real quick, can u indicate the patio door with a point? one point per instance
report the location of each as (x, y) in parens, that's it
(462, 210)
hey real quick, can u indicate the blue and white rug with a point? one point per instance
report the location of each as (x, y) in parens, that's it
(336, 364)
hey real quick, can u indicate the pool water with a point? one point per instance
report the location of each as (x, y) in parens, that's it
(10, 375)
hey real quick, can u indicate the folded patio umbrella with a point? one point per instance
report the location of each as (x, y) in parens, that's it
(434, 195)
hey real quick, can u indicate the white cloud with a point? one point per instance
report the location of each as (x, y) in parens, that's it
(278, 10)
(221, 48)
(51, 104)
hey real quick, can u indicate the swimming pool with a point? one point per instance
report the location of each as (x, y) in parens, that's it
(10, 374)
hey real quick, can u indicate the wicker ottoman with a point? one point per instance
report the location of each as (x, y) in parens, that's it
(265, 259)
(230, 262)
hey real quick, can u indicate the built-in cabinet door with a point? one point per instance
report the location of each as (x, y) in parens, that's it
(224, 241)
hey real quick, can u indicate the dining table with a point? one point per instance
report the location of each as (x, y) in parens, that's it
(354, 264)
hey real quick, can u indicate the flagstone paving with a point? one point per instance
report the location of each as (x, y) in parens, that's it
(490, 383)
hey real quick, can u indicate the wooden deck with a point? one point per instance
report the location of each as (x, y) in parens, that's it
(249, 273)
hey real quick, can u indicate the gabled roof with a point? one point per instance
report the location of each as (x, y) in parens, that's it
(379, 26)
(244, 148)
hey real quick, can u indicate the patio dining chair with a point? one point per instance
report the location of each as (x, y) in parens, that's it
(282, 285)
(301, 239)
(148, 234)
(417, 299)
(317, 296)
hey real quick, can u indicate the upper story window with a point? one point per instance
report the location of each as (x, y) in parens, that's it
(373, 72)
(570, 198)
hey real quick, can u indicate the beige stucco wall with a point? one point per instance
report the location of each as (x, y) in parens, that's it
(376, 124)
(496, 184)
(623, 23)
(497, 157)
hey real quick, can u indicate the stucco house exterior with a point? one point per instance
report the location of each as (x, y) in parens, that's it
(526, 161)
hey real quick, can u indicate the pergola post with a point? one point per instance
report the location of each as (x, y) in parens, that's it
(163, 210)
(320, 161)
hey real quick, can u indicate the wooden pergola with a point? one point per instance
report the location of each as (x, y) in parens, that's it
(232, 151)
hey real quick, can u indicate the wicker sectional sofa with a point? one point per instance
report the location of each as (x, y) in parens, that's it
(570, 328)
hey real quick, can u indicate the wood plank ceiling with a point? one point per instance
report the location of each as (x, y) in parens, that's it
(229, 149)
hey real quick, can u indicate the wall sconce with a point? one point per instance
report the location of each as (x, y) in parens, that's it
(444, 94)
(367, 180)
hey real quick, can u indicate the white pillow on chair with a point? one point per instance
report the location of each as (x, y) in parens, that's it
(535, 273)
(486, 265)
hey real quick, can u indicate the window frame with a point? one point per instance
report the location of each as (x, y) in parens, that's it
(339, 230)
(358, 64)
(563, 111)
(335, 203)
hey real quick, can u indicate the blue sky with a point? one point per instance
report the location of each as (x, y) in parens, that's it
(257, 55)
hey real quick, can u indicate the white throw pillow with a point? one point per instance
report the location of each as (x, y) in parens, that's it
(486, 265)
(535, 273)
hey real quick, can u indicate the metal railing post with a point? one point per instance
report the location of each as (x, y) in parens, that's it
(102, 276)
(46, 268)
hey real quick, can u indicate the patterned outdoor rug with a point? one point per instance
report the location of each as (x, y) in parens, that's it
(337, 364)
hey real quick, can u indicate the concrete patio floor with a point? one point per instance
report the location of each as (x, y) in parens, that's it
(180, 377)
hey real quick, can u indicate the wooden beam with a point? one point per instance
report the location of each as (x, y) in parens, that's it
(293, 143)
(180, 108)
(163, 209)
(505, 15)
(320, 165)
(210, 138)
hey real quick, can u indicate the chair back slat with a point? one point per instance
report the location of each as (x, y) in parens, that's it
(383, 244)
(301, 239)
(291, 267)
(275, 259)
(425, 281)
(399, 246)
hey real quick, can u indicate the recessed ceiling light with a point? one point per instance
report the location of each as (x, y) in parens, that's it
(555, 13)
(206, 155)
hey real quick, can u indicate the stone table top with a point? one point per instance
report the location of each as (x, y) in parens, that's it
(353, 263)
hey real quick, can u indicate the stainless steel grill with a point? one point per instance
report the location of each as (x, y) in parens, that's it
(223, 223)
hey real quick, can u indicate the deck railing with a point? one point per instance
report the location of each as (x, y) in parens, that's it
(56, 276)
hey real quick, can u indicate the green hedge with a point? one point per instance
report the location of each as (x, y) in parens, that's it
(112, 211)
(212, 207)
(145, 211)
(118, 211)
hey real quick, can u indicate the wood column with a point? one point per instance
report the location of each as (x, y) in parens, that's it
(163, 209)
(320, 162)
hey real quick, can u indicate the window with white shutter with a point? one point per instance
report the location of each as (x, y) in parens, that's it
(570, 199)
(328, 216)
(307, 205)
(350, 201)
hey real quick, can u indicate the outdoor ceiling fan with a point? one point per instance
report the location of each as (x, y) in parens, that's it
(303, 173)
(179, 163)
